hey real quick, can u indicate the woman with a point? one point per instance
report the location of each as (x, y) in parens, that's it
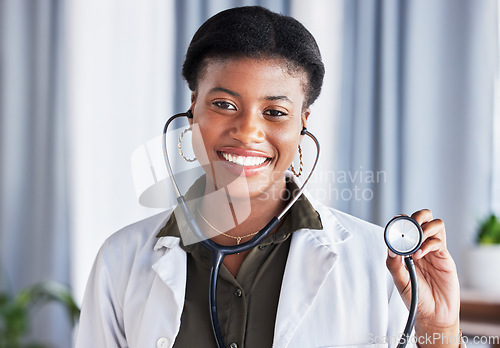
(318, 280)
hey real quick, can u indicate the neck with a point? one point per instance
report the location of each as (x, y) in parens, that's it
(222, 214)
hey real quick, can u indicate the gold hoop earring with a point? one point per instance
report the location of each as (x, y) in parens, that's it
(179, 146)
(301, 166)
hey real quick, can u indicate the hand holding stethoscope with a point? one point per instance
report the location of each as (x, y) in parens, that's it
(438, 288)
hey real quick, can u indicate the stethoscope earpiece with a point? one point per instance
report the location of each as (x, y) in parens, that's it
(403, 235)
(189, 113)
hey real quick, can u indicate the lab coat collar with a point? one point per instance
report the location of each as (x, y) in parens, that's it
(305, 273)
(172, 276)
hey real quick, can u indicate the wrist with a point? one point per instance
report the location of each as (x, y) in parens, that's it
(438, 337)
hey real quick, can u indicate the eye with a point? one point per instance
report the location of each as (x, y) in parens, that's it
(275, 113)
(224, 105)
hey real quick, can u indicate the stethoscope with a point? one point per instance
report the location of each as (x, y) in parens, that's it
(398, 237)
(403, 236)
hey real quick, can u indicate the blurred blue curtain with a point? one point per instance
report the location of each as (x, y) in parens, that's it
(372, 102)
(33, 191)
(34, 194)
(417, 105)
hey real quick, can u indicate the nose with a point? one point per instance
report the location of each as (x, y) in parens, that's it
(248, 128)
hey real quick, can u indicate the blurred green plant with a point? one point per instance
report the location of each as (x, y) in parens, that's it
(489, 231)
(15, 311)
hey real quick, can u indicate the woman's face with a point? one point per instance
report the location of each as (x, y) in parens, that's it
(250, 114)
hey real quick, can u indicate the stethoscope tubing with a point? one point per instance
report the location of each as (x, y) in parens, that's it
(412, 314)
(220, 251)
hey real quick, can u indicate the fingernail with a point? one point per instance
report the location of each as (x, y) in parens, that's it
(391, 254)
(418, 254)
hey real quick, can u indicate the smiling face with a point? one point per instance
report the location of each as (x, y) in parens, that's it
(250, 114)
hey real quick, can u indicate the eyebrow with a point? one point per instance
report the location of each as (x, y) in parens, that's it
(234, 94)
(225, 90)
(277, 97)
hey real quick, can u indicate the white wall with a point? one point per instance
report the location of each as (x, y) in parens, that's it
(120, 94)
(326, 26)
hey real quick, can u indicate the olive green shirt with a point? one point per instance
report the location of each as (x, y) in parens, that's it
(247, 304)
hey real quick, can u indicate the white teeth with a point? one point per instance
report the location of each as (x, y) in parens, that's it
(244, 160)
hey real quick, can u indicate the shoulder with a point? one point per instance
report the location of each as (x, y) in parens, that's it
(350, 233)
(135, 239)
(332, 217)
(127, 255)
(355, 224)
(367, 237)
(361, 250)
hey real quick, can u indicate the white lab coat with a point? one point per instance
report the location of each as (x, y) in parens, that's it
(336, 290)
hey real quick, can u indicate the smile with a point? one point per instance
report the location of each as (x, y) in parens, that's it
(245, 161)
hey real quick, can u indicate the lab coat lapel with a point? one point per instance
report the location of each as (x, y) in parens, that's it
(310, 261)
(171, 269)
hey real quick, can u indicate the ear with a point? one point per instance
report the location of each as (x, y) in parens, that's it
(305, 115)
(193, 102)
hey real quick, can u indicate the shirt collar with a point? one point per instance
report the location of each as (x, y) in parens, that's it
(301, 215)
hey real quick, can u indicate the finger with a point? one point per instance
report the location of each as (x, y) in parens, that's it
(434, 229)
(422, 216)
(430, 245)
(398, 271)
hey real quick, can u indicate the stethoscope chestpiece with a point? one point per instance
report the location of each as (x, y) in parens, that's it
(403, 235)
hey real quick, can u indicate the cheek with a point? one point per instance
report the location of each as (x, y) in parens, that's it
(203, 138)
(288, 144)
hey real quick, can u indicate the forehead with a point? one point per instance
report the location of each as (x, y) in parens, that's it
(264, 73)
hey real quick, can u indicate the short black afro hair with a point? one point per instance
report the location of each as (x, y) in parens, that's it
(254, 31)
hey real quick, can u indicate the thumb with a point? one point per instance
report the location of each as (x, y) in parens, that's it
(400, 275)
